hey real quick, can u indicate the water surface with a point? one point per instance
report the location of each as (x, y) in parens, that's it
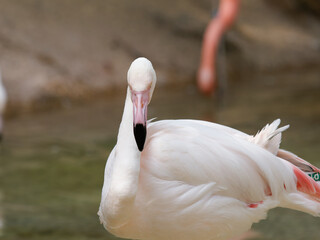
(52, 163)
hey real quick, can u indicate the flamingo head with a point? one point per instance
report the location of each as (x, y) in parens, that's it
(206, 80)
(141, 80)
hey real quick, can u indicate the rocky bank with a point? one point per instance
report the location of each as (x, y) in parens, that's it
(57, 51)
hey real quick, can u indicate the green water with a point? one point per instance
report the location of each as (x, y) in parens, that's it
(52, 163)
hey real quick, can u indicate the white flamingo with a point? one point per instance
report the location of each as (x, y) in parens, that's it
(3, 101)
(189, 179)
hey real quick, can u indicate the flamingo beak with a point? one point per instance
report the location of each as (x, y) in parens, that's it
(140, 102)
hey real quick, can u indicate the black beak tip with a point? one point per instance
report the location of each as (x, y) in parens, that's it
(140, 133)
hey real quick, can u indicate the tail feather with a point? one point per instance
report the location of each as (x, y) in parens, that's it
(307, 198)
(301, 202)
(270, 136)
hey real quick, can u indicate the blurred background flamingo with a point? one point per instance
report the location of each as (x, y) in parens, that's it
(207, 74)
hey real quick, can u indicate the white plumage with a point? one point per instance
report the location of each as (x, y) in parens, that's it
(196, 179)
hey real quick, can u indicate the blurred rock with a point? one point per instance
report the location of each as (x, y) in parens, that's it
(54, 51)
(299, 6)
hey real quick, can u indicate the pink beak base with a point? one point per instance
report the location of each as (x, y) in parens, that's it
(140, 100)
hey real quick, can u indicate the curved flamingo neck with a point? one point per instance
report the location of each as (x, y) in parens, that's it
(125, 139)
(121, 178)
(127, 153)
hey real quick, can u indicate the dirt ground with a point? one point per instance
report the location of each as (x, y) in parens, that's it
(54, 51)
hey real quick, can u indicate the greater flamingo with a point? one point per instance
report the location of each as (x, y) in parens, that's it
(227, 12)
(3, 101)
(190, 179)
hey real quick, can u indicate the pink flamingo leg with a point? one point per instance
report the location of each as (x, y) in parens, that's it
(227, 12)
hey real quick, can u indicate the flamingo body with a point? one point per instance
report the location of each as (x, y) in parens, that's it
(198, 180)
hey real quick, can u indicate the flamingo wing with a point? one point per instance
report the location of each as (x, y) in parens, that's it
(200, 179)
(196, 172)
(196, 152)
